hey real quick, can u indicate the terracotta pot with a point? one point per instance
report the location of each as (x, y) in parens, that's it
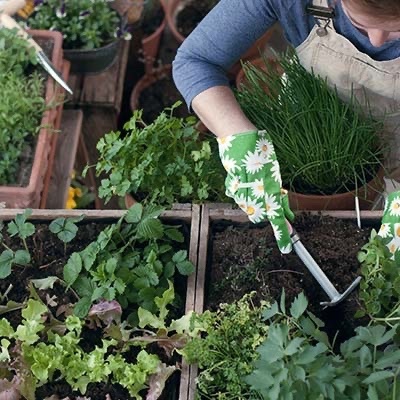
(173, 7)
(147, 80)
(92, 61)
(151, 44)
(30, 196)
(341, 201)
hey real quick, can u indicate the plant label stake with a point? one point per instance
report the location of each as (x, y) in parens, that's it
(319, 275)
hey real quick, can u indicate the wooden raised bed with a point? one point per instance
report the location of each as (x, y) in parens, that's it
(188, 215)
(220, 221)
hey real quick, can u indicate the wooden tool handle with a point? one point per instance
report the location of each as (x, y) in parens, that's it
(8, 22)
(10, 7)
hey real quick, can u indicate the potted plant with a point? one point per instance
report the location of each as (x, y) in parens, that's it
(91, 31)
(261, 344)
(162, 162)
(154, 92)
(324, 145)
(101, 314)
(30, 111)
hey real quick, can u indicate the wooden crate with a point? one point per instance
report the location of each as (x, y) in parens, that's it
(218, 213)
(188, 214)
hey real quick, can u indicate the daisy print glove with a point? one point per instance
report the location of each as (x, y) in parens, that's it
(390, 228)
(254, 181)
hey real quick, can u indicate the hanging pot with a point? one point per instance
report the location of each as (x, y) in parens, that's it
(92, 61)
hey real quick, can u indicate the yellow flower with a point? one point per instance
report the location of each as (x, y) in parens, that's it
(78, 192)
(71, 203)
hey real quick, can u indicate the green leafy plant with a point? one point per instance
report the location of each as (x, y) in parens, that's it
(226, 349)
(323, 144)
(130, 261)
(21, 257)
(22, 104)
(85, 24)
(29, 358)
(163, 162)
(380, 287)
(296, 360)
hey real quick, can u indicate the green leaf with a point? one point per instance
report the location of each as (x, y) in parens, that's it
(45, 283)
(22, 257)
(271, 312)
(150, 229)
(299, 305)
(378, 376)
(185, 268)
(6, 260)
(174, 234)
(134, 214)
(82, 307)
(180, 256)
(73, 268)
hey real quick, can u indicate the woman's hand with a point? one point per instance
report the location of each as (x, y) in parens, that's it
(254, 181)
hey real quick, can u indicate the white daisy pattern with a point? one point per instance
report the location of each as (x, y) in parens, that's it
(258, 190)
(271, 205)
(276, 173)
(241, 201)
(224, 143)
(265, 147)
(229, 164)
(394, 209)
(255, 211)
(384, 230)
(233, 185)
(253, 162)
(277, 232)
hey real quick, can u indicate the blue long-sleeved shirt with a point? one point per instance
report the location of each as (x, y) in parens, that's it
(233, 26)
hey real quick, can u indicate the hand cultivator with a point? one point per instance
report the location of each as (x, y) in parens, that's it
(334, 296)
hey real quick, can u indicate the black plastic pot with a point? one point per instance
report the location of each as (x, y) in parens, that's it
(92, 61)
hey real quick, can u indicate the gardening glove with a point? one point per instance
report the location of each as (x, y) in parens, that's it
(390, 228)
(254, 181)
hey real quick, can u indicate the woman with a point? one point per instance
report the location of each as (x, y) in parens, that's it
(355, 44)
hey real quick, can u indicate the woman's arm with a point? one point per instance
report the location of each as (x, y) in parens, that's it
(220, 112)
(200, 66)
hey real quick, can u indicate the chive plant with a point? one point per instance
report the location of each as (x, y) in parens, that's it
(324, 145)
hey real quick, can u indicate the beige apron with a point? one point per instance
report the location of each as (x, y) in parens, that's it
(332, 56)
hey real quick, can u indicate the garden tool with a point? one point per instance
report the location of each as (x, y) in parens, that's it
(319, 275)
(8, 22)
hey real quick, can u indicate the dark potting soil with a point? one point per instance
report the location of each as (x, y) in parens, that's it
(156, 97)
(192, 13)
(243, 258)
(48, 259)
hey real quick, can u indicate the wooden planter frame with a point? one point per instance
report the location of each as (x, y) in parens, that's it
(30, 195)
(214, 212)
(186, 213)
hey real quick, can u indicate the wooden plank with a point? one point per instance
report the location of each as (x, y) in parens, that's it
(191, 288)
(7, 214)
(67, 144)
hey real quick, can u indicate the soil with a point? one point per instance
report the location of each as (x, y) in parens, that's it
(151, 24)
(48, 259)
(156, 97)
(244, 258)
(192, 13)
